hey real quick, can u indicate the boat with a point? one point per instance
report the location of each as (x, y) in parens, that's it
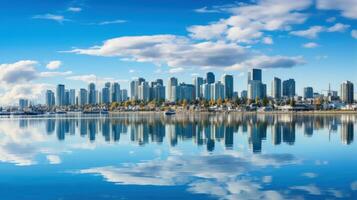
(170, 112)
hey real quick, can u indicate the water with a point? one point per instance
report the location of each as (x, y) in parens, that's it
(150, 156)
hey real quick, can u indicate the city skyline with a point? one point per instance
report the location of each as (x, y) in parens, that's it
(78, 42)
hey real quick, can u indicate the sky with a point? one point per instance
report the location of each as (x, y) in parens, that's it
(47, 42)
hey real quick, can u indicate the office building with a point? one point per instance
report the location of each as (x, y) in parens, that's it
(227, 81)
(206, 91)
(116, 93)
(23, 103)
(144, 91)
(105, 95)
(210, 77)
(83, 97)
(289, 88)
(50, 98)
(347, 92)
(218, 91)
(276, 88)
(255, 75)
(198, 81)
(308, 93)
(124, 94)
(60, 95)
(92, 94)
(171, 89)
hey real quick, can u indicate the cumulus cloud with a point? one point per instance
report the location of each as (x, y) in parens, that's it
(205, 9)
(269, 62)
(13, 93)
(311, 189)
(74, 9)
(21, 71)
(268, 40)
(48, 16)
(53, 159)
(181, 52)
(354, 186)
(310, 33)
(348, 8)
(354, 34)
(309, 175)
(55, 64)
(54, 74)
(176, 70)
(338, 27)
(248, 21)
(310, 45)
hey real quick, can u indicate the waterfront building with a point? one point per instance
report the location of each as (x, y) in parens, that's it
(60, 95)
(276, 88)
(206, 91)
(210, 78)
(185, 92)
(227, 81)
(289, 88)
(254, 89)
(218, 91)
(124, 94)
(255, 75)
(144, 91)
(50, 98)
(308, 93)
(66, 97)
(23, 103)
(347, 92)
(72, 97)
(105, 95)
(171, 89)
(83, 97)
(92, 94)
(198, 81)
(116, 93)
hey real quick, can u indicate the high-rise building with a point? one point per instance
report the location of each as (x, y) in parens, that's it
(347, 92)
(83, 97)
(217, 91)
(72, 97)
(134, 88)
(92, 94)
(116, 92)
(206, 91)
(210, 77)
(276, 88)
(255, 89)
(227, 81)
(144, 91)
(289, 88)
(157, 92)
(171, 89)
(124, 94)
(255, 75)
(185, 92)
(23, 103)
(308, 93)
(50, 98)
(66, 97)
(198, 81)
(105, 95)
(60, 95)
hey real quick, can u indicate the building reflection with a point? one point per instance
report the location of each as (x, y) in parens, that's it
(205, 130)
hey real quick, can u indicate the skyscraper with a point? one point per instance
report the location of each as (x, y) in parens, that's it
(72, 97)
(347, 92)
(116, 92)
(255, 75)
(254, 89)
(23, 103)
(198, 81)
(106, 95)
(92, 94)
(124, 94)
(60, 95)
(289, 88)
(144, 91)
(218, 91)
(83, 97)
(171, 87)
(210, 77)
(308, 93)
(206, 91)
(50, 98)
(227, 81)
(276, 88)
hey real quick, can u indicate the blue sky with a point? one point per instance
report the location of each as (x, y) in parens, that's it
(314, 42)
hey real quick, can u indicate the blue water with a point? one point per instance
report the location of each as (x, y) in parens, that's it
(196, 156)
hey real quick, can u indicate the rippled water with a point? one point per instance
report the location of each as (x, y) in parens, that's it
(150, 156)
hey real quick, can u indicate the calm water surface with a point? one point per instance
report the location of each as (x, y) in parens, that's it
(150, 156)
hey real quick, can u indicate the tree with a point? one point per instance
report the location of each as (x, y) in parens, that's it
(265, 101)
(219, 101)
(257, 100)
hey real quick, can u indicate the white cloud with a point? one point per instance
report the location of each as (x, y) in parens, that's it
(311, 189)
(31, 91)
(248, 21)
(91, 78)
(348, 8)
(74, 9)
(54, 74)
(268, 62)
(206, 10)
(53, 159)
(310, 175)
(54, 64)
(310, 45)
(354, 186)
(176, 70)
(57, 18)
(310, 33)
(118, 21)
(176, 52)
(21, 71)
(331, 19)
(267, 179)
(268, 40)
(338, 27)
(354, 34)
